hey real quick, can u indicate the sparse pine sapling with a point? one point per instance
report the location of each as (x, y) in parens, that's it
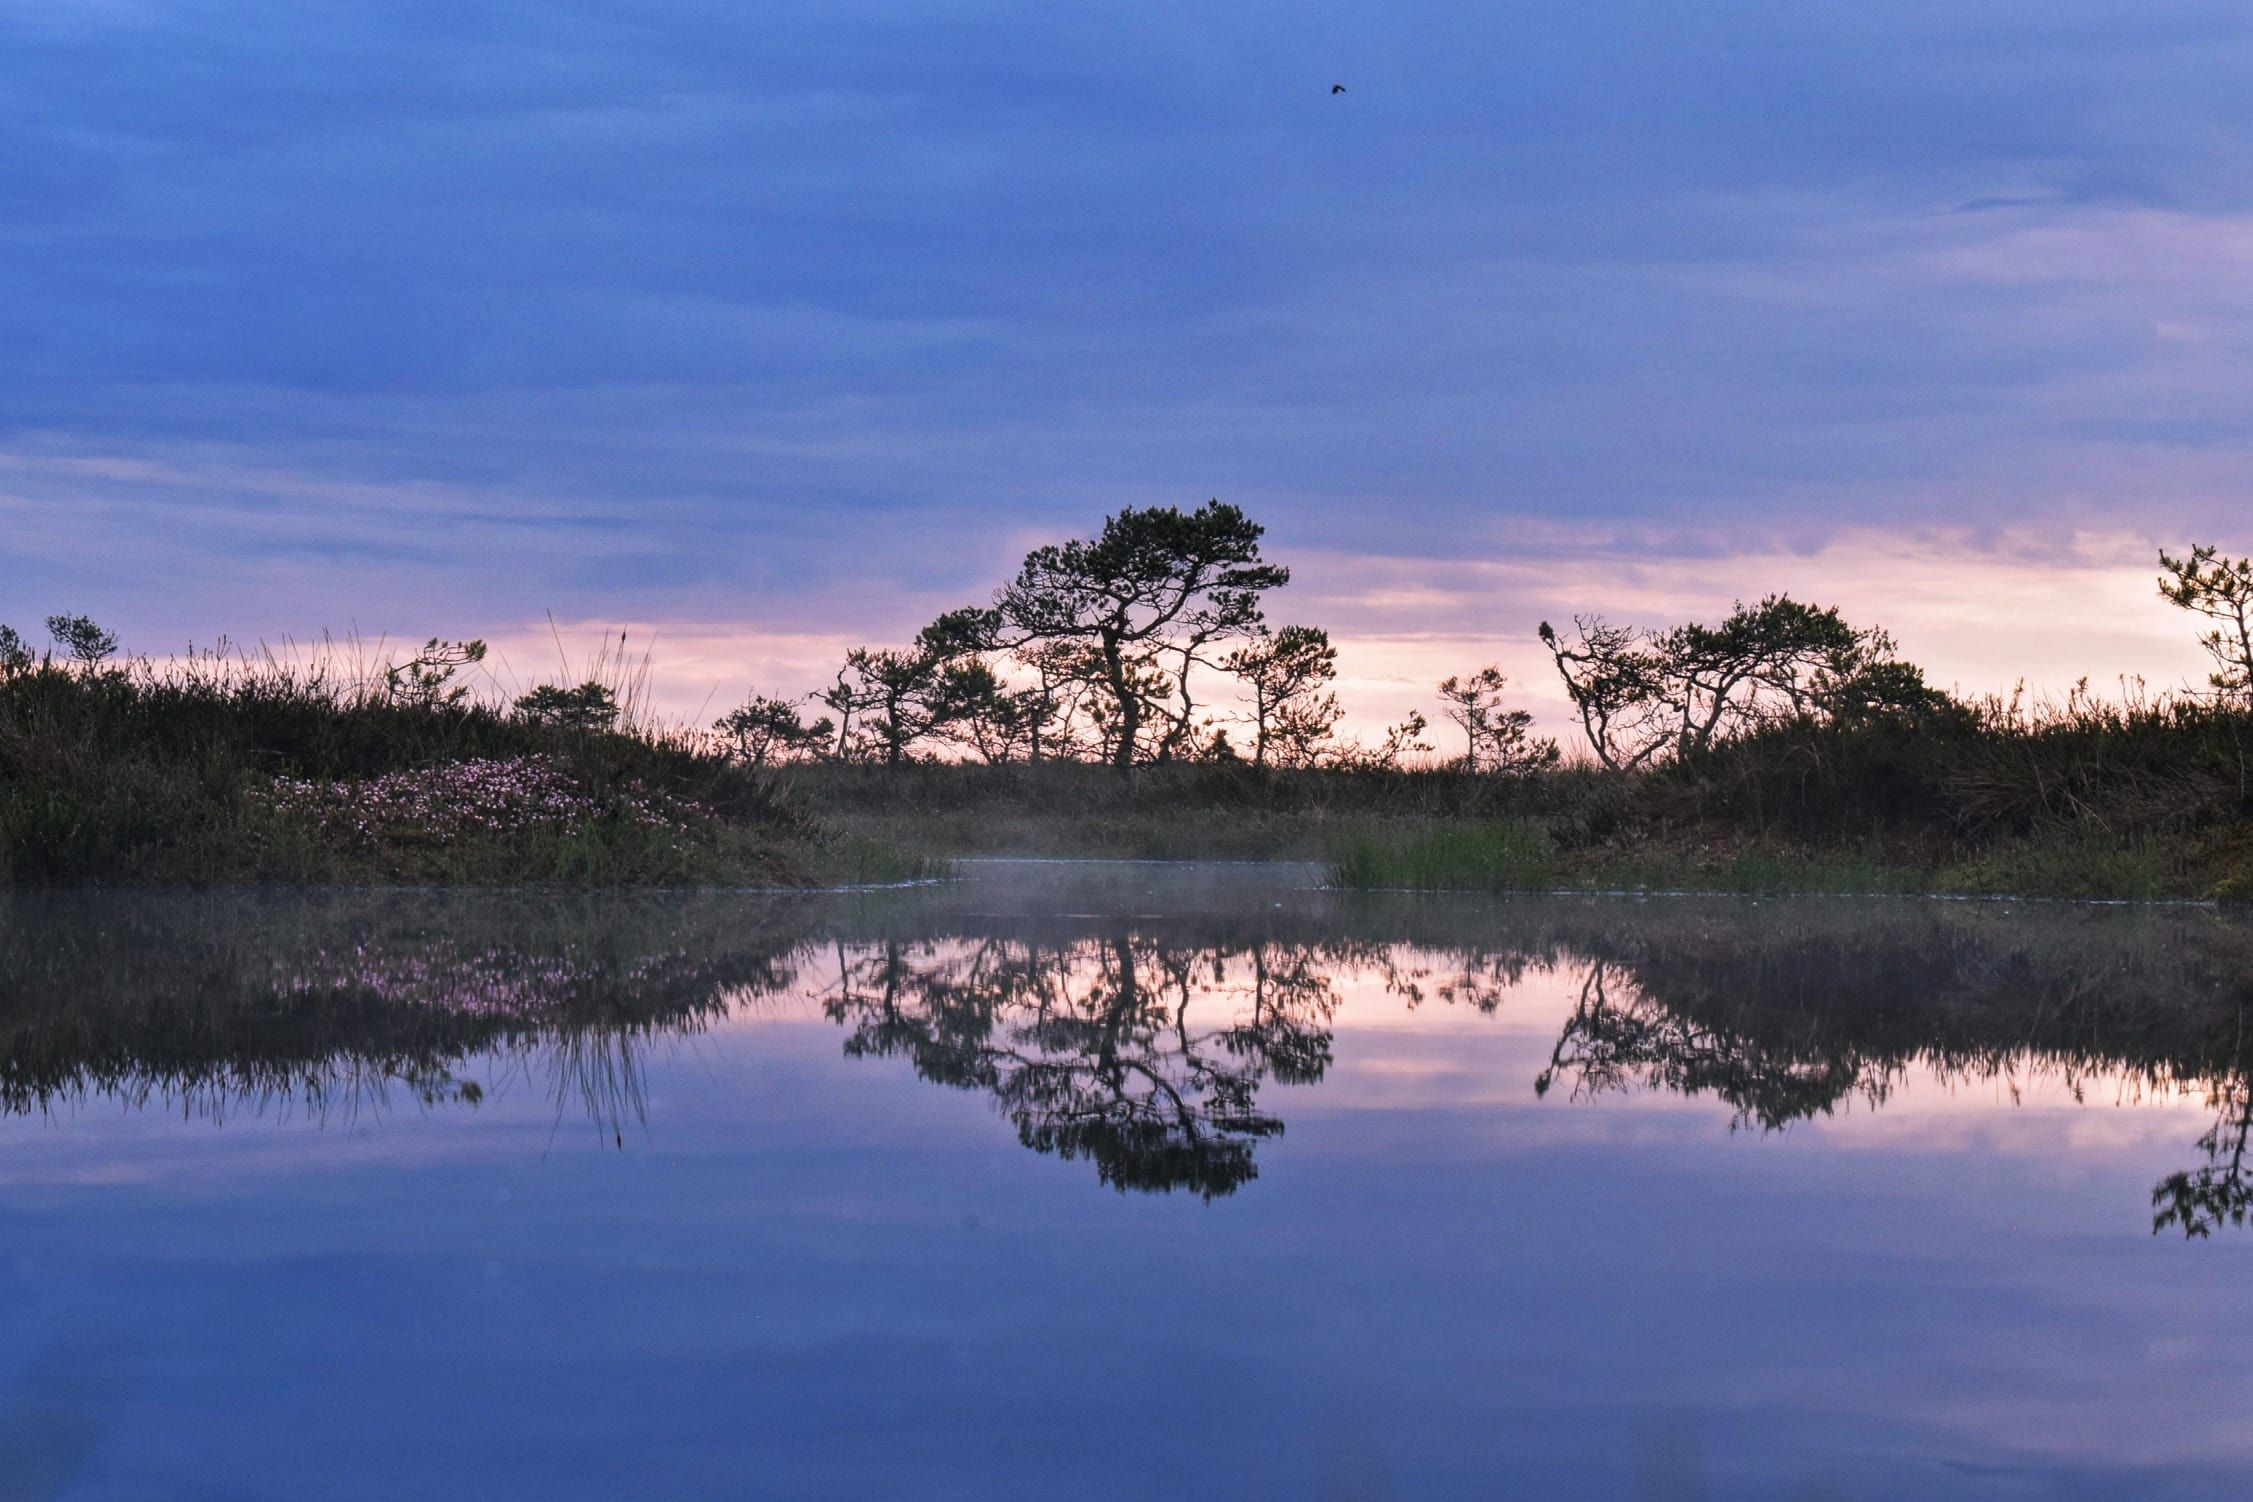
(2220, 589)
(427, 678)
(82, 641)
(1289, 672)
(1495, 739)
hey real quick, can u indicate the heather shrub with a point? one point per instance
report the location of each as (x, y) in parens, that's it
(227, 766)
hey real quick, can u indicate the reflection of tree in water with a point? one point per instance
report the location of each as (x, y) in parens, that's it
(1144, 1059)
(1785, 1027)
(1142, 1046)
(2202, 1200)
(1610, 1045)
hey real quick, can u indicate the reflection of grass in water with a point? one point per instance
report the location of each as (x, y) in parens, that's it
(336, 1005)
(599, 1068)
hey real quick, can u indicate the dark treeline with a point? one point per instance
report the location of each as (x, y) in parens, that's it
(1747, 752)
(1103, 650)
(1743, 752)
(1149, 1048)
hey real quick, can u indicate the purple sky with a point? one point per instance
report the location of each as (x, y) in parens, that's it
(773, 326)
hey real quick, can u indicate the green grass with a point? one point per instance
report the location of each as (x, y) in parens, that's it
(1521, 857)
(1511, 856)
(851, 860)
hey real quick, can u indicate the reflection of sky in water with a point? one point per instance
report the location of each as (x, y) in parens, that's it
(813, 1275)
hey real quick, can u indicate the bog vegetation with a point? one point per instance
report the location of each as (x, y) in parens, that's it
(1127, 693)
(332, 766)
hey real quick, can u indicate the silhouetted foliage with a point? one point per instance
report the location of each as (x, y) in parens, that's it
(2220, 589)
(586, 706)
(428, 677)
(896, 695)
(1494, 739)
(1132, 611)
(82, 641)
(1289, 672)
(1644, 695)
(762, 730)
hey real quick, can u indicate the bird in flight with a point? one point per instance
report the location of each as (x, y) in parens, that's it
(1337, 88)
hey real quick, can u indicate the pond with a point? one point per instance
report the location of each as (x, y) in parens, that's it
(1122, 1181)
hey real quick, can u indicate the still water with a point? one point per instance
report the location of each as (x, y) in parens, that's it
(1084, 1181)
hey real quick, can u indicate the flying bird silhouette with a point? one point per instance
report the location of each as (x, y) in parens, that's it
(1337, 88)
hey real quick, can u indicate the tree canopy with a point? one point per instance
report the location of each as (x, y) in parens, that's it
(1131, 612)
(1644, 695)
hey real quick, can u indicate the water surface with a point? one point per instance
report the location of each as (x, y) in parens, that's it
(1121, 1181)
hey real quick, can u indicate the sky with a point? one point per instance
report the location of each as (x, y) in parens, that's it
(763, 330)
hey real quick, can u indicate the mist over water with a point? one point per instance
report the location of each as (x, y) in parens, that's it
(1121, 1180)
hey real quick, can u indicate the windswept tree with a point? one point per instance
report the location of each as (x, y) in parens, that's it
(1494, 739)
(903, 696)
(894, 692)
(1618, 686)
(82, 641)
(1641, 696)
(1144, 602)
(2221, 590)
(979, 711)
(1288, 673)
(1063, 675)
(967, 700)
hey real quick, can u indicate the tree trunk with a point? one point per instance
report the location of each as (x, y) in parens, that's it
(1130, 704)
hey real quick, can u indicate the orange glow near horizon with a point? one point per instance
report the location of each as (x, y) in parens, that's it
(1980, 614)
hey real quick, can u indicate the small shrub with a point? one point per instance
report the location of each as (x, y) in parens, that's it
(588, 707)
